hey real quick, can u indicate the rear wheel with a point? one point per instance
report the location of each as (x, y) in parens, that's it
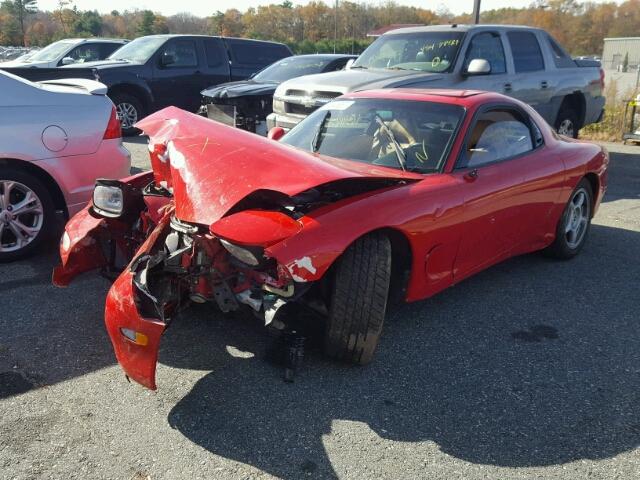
(567, 122)
(27, 214)
(129, 110)
(359, 300)
(574, 224)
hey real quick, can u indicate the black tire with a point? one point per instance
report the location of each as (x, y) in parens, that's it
(48, 224)
(359, 300)
(568, 121)
(561, 247)
(123, 101)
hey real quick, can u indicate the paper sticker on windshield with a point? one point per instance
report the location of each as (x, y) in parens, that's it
(338, 105)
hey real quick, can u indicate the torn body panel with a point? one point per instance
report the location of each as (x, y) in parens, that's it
(213, 166)
(92, 242)
(135, 337)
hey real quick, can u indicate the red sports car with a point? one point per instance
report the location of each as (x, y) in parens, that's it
(377, 195)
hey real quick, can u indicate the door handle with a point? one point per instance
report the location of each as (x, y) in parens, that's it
(507, 87)
(471, 175)
(544, 84)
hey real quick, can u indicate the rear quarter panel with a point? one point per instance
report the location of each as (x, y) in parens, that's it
(27, 110)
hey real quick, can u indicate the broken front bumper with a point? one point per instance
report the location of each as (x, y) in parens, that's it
(79, 247)
(135, 338)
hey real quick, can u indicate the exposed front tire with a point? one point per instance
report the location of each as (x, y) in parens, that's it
(129, 110)
(27, 214)
(573, 227)
(359, 300)
(567, 123)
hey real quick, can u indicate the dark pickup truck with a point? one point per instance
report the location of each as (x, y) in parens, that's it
(157, 71)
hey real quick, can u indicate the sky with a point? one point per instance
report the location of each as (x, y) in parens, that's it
(204, 8)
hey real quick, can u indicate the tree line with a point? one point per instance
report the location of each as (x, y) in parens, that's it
(316, 26)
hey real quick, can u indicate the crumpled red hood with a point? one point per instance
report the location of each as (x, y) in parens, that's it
(211, 166)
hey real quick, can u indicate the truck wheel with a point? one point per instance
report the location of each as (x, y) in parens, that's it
(359, 300)
(573, 227)
(27, 214)
(567, 122)
(129, 110)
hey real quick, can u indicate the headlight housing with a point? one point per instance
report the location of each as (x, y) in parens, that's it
(278, 105)
(114, 199)
(251, 256)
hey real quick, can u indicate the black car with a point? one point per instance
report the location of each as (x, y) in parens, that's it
(247, 103)
(157, 71)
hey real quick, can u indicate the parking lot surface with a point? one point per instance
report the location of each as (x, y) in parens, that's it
(528, 370)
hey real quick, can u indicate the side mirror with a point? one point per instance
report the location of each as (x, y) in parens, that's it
(276, 133)
(478, 66)
(167, 59)
(349, 63)
(68, 61)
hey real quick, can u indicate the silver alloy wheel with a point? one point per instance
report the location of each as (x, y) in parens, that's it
(578, 212)
(21, 215)
(566, 128)
(127, 114)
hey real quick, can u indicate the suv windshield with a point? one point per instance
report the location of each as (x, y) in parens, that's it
(52, 52)
(393, 133)
(139, 50)
(422, 51)
(292, 67)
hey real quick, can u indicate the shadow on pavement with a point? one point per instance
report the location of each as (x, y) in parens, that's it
(532, 363)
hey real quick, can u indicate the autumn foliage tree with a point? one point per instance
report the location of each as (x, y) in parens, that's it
(579, 26)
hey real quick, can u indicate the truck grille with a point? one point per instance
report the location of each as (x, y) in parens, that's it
(301, 102)
(298, 109)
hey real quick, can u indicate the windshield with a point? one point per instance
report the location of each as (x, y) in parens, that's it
(351, 129)
(421, 51)
(139, 50)
(51, 52)
(292, 67)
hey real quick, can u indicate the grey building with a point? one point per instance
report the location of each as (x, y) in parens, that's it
(615, 50)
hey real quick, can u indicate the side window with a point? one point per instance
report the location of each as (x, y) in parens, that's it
(487, 46)
(336, 65)
(216, 53)
(497, 135)
(87, 52)
(560, 57)
(527, 56)
(246, 52)
(181, 54)
(107, 49)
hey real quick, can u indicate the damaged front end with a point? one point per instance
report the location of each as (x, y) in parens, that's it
(219, 219)
(180, 264)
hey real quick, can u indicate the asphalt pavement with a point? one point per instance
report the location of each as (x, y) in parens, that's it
(528, 370)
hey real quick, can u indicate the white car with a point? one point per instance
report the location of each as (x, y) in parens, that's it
(56, 138)
(68, 52)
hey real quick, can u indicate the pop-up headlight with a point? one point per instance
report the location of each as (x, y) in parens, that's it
(114, 199)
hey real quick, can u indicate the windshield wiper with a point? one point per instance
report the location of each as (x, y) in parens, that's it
(315, 143)
(402, 159)
(353, 67)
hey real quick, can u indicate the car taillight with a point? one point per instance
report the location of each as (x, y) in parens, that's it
(114, 129)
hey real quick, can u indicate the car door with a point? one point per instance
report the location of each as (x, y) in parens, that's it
(175, 81)
(487, 46)
(493, 164)
(530, 81)
(217, 68)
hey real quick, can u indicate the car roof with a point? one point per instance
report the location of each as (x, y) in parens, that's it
(458, 27)
(438, 95)
(94, 39)
(327, 56)
(190, 35)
